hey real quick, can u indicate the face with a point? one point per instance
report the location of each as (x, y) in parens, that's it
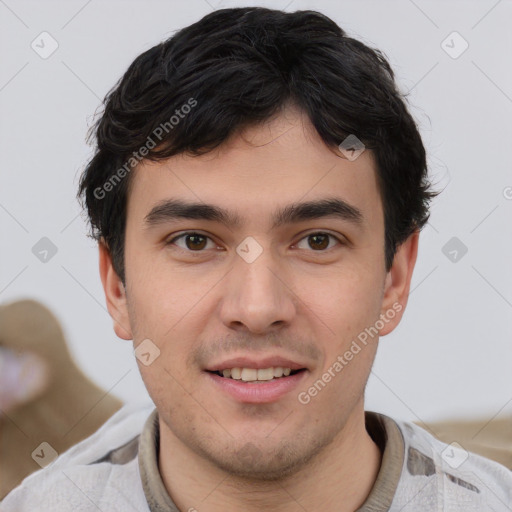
(266, 255)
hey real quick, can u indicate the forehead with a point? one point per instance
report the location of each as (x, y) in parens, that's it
(279, 162)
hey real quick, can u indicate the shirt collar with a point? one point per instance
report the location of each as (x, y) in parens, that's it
(382, 429)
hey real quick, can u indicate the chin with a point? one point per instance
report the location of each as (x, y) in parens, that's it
(251, 463)
(264, 472)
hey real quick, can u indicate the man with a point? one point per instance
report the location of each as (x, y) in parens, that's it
(257, 195)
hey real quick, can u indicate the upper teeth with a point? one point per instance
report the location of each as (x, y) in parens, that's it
(252, 374)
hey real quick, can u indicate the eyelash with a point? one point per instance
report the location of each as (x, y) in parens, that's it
(189, 233)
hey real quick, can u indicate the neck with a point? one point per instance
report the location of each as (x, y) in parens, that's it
(338, 479)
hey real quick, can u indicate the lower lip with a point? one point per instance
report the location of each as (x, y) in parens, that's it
(258, 392)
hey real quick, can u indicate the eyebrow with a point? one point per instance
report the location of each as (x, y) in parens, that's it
(173, 209)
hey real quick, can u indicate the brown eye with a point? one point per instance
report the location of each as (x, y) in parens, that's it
(192, 242)
(318, 241)
(195, 242)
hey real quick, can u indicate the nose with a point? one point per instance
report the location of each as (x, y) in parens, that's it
(257, 297)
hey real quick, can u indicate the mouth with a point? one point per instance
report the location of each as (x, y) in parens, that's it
(256, 375)
(249, 381)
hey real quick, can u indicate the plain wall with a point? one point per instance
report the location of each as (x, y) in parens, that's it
(452, 353)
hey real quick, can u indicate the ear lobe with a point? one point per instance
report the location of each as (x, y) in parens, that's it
(398, 283)
(115, 294)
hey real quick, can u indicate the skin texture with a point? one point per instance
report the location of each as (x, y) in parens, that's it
(295, 300)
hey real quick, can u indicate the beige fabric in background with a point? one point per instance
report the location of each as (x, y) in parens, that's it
(67, 408)
(492, 439)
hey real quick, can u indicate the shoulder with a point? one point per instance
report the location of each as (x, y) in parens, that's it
(101, 469)
(462, 480)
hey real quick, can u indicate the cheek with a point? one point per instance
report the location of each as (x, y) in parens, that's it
(160, 296)
(167, 388)
(344, 302)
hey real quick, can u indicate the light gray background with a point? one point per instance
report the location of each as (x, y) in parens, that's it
(452, 354)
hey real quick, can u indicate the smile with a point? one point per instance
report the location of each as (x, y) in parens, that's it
(250, 385)
(256, 375)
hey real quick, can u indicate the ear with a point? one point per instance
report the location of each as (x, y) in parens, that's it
(398, 283)
(115, 294)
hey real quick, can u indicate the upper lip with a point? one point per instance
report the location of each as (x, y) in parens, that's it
(252, 362)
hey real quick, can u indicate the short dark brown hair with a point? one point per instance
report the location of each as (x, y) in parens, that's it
(239, 67)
